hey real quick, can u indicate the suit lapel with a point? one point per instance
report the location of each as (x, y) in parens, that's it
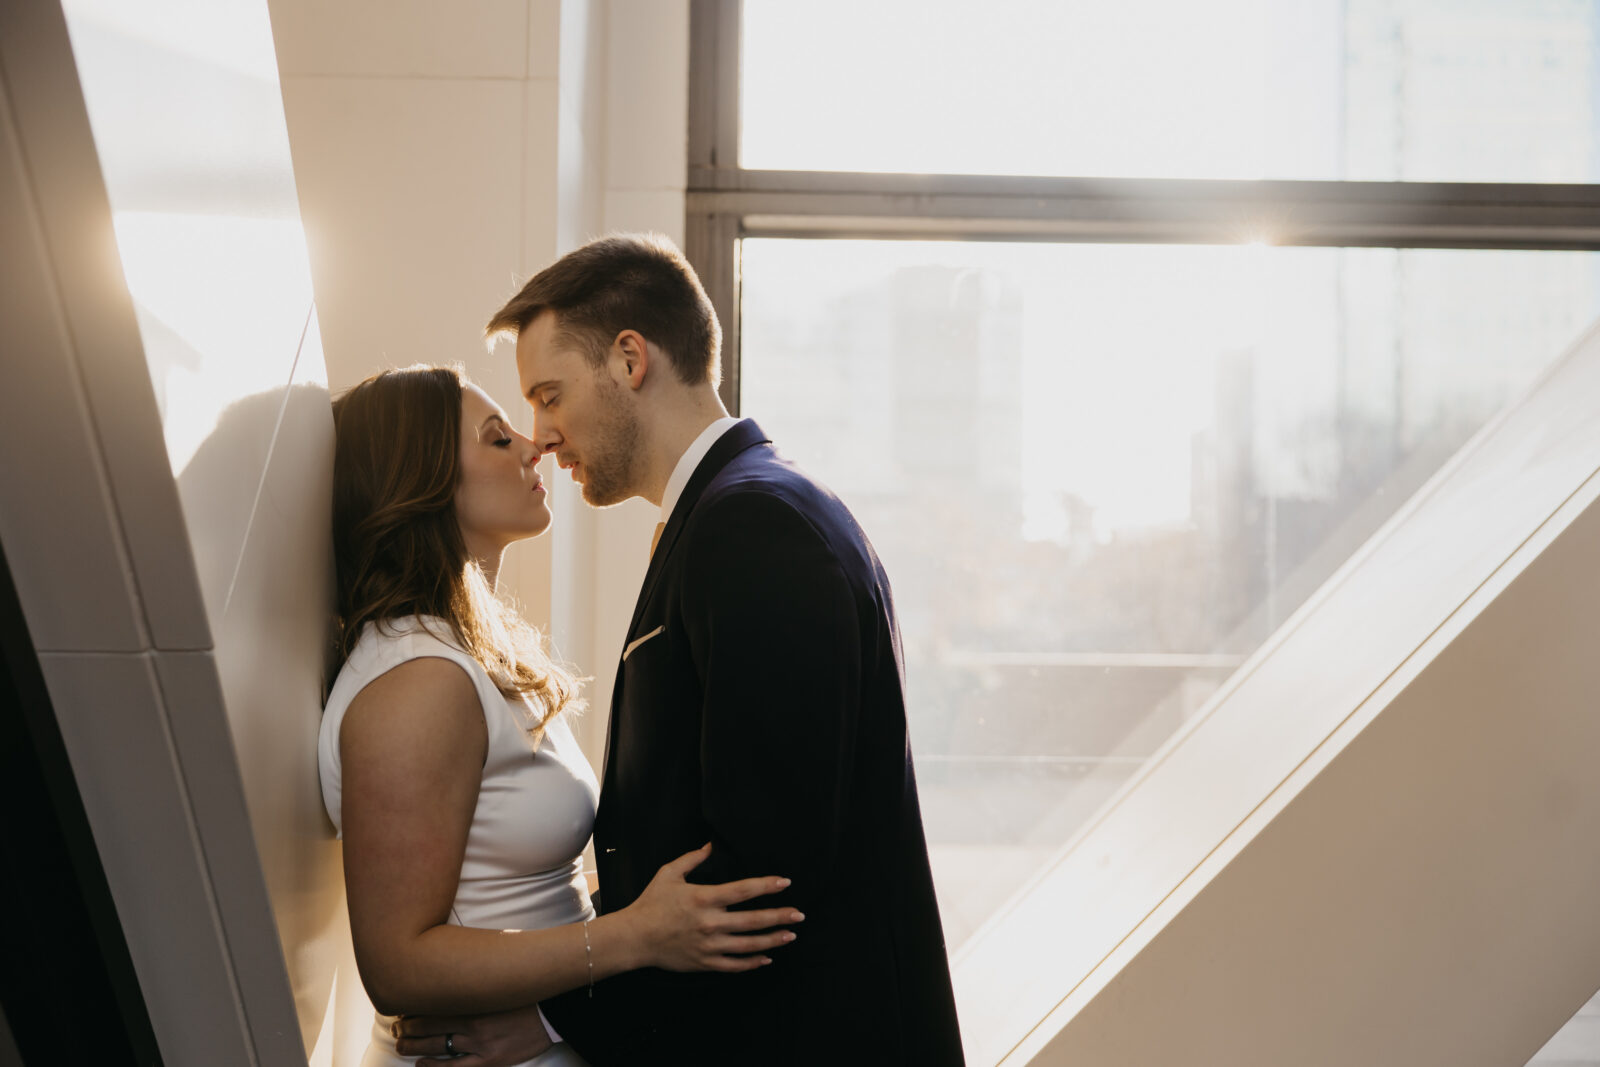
(745, 435)
(738, 439)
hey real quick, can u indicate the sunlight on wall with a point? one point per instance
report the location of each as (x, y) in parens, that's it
(220, 300)
(187, 115)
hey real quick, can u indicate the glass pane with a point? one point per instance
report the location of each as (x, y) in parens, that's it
(1411, 90)
(1100, 476)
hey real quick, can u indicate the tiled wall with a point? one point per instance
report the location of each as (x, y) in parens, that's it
(184, 104)
(443, 155)
(171, 540)
(424, 142)
(170, 544)
(646, 169)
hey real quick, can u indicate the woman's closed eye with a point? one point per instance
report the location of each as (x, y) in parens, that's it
(503, 442)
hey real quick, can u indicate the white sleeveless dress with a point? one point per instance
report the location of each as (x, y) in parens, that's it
(523, 867)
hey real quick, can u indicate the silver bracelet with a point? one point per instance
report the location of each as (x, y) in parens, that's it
(588, 954)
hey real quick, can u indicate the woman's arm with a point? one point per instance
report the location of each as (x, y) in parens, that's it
(412, 748)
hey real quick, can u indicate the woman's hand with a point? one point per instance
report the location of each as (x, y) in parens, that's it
(502, 1039)
(681, 926)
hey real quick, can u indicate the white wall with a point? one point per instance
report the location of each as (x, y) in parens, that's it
(169, 539)
(423, 139)
(444, 155)
(646, 167)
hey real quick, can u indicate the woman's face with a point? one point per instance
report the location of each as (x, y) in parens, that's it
(500, 498)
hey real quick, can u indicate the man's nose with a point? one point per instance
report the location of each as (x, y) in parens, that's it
(545, 439)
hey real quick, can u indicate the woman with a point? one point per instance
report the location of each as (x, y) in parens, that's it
(446, 760)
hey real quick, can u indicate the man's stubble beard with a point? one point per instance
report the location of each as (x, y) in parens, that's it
(613, 459)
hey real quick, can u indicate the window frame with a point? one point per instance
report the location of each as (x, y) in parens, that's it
(725, 202)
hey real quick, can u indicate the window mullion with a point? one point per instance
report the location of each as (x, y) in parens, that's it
(1389, 214)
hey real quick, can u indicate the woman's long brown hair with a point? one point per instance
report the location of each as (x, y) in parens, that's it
(397, 548)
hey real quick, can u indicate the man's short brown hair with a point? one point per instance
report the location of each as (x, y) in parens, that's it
(627, 281)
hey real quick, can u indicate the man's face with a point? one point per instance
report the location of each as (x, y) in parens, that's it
(580, 412)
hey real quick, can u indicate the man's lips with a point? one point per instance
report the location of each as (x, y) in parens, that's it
(566, 464)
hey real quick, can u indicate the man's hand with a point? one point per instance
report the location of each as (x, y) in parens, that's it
(499, 1040)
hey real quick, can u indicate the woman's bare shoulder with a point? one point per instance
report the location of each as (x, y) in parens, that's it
(424, 700)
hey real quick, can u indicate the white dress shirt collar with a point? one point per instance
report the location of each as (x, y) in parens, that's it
(690, 460)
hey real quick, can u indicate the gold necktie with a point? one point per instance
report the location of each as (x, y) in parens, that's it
(656, 540)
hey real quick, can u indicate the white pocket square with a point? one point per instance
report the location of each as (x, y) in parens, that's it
(637, 641)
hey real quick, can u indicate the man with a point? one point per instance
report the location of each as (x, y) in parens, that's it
(759, 704)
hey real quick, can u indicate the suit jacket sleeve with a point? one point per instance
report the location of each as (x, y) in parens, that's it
(772, 623)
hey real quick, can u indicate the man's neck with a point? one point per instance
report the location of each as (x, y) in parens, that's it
(671, 437)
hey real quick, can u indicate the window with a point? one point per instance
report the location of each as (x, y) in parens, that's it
(1431, 90)
(1120, 330)
(1101, 475)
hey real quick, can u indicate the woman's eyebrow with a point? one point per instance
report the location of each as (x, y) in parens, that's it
(495, 417)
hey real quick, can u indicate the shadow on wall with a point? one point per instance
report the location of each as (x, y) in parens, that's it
(262, 480)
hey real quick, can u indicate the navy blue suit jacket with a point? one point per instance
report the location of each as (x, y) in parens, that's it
(763, 709)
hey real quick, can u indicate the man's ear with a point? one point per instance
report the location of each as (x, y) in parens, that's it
(632, 357)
